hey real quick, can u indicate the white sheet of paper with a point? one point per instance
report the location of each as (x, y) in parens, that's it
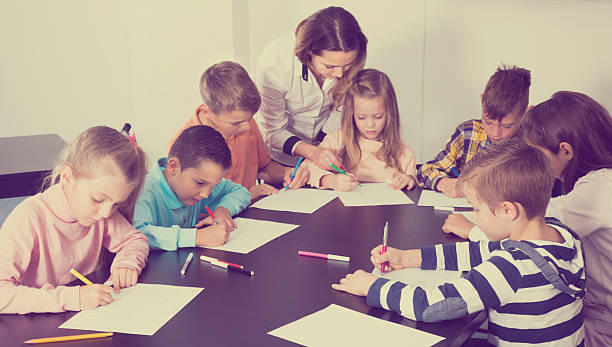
(339, 326)
(253, 233)
(301, 200)
(374, 194)
(419, 277)
(432, 198)
(141, 309)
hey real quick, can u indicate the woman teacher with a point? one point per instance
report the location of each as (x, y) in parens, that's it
(302, 79)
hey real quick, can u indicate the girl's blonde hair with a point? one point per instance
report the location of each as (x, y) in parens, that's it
(92, 146)
(371, 83)
(332, 29)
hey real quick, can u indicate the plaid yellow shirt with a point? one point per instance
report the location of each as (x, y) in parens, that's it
(468, 139)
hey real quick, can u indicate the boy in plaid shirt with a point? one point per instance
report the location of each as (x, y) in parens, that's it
(504, 102)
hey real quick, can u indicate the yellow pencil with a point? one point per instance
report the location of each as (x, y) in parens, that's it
(68, 338)
(81, 277)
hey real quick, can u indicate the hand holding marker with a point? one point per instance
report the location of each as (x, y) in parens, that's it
(294, 171)
(342, 172)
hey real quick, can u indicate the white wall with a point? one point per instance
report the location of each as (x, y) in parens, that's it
(565, 44)
(440, 53)
(66, 65)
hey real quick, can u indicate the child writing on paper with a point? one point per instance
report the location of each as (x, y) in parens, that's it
(178, 189)
(574, 132)
(88, 203)
(369, 143)
(504, 102)
(529, 277)
(230, 101)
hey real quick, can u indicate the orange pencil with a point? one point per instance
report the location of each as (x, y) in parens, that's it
(68, 338)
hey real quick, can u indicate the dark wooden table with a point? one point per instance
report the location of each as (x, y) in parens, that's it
(25, 161)
(238, 310)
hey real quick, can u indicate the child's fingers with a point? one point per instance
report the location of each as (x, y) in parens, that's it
(203, 222)
(376, 250)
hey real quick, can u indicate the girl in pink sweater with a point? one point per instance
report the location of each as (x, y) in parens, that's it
(88, 204)
(369, 142)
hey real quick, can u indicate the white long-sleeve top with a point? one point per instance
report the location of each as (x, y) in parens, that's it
(587, 210)
(292, 108)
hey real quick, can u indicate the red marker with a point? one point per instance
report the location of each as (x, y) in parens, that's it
(211, 214)
(384, 247)
(325, 256)
(211, 259)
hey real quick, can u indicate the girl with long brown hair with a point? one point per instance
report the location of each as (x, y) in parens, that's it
(368, 144)
(575, 133)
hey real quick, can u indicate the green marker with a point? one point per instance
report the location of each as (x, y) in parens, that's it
(340, 171)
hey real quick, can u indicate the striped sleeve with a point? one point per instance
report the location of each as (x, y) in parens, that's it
(461, 256)
(434, 170)
(490, 284)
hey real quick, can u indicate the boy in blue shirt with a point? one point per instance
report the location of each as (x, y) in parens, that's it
(529, 278)
(176, 192)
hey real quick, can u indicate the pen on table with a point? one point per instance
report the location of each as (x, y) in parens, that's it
(294, 171)
(210, 213)
(325, 256)
(454, 171)
(187, 261)
(341, 172)
(384, 247)
(81, 277)
(232, 268)
(211, 259)
(68, 338)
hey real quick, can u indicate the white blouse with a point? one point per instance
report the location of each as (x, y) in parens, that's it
(291, 106)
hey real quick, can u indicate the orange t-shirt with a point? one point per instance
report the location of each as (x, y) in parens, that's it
(249, 153)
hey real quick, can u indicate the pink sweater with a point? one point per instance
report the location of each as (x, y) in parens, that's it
(370, 168)
(40, 242)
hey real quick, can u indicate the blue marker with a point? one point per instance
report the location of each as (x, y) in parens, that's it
(454, 171)
(294, 171)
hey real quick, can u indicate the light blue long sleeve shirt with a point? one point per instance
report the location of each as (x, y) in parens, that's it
(167, 222)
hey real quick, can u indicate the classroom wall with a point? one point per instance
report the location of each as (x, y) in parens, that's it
(66, 65)
(439, 54)
(564, 43)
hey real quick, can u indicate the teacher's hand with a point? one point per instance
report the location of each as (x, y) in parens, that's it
(324, 157)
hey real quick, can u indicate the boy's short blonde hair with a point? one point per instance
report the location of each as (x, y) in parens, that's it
(226, 87)
(510, 171)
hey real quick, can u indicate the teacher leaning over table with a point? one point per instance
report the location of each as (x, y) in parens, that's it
(302, 79)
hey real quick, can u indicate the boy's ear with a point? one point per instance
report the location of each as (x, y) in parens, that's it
(508, 210)
(67, 176)
(174, 166)
(566, 151)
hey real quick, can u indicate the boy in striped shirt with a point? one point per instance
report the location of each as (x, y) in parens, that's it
(530, 277)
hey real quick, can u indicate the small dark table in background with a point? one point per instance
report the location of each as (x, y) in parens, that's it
(25, 161)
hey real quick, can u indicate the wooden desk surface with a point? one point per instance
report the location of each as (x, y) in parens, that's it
(25, 160)
(238, 310)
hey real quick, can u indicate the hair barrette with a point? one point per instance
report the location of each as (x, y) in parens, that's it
(132, 137)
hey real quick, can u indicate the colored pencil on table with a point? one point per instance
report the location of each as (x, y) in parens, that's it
(68, 338)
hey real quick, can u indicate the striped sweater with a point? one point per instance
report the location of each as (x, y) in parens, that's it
(523, 307)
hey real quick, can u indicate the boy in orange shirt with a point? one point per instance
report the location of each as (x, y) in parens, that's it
(230, 101)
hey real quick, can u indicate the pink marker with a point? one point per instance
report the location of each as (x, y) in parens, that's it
(384, 247)
(325, 256)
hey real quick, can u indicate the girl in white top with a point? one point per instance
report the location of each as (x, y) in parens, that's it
(302, 79)
(369, 143)
(575, 133)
